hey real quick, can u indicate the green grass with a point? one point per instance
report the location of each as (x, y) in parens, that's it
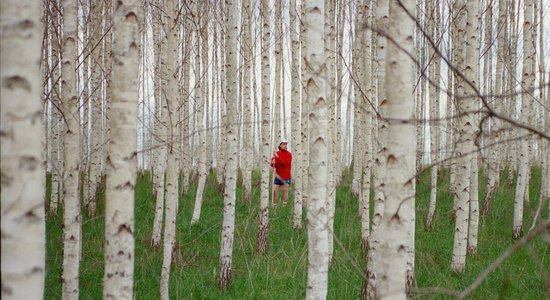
(281, 272)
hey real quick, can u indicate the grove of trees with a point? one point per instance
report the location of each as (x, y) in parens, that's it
(95, 93)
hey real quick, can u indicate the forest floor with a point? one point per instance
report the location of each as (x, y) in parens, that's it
(281, 273)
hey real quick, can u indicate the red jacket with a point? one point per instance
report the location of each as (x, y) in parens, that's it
(282, 164)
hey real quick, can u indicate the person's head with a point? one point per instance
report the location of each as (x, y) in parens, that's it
(283, 145)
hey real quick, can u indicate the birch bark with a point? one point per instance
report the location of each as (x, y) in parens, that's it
(464, 146)
(72, 218)
(399, 191)
(381, 11)
(524, 115)
(22, 166)
(248, 141)
(434, 90)
(94, 176)
(229, 199)
(261, 244)
(171, 8)
(118, 281)
(472, 73)
(315, 80)
(200, 113)
(295, 101)
(492, 172)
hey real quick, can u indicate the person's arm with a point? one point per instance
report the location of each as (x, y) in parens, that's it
(284, 160)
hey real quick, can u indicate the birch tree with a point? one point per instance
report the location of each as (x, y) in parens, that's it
(229, 201)
(248, 141)
(56, 139)
(72, 218)
(472, 74)
(465, 143)
(432, 7)
(22, 169)
(315, 80)
(159, 159)
(380, 21)
(399, 190)
(492, 172)
(118, 279)
(201, 56)
(525, 114)
(261, 244)
(171, 9)
(94, 176)
(295, 101)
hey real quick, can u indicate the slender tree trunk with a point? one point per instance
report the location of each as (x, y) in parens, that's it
(358, 74)
(248, 141)
(468, 29)
(121, 170)
(305, 111)
(277, 124)
(316, 82)
(381, 11)
(200, 98)
(261, 244)
(295, 83)
(186, 115)
(23, 170)
(72, 218)
(171, 8)
(94, 178)
(511, 59)
(398, 218)
(159, 158)
(229, 201)
(56, 121)
(522, 186)
(330, 87)
(493, 172)
(434, 90)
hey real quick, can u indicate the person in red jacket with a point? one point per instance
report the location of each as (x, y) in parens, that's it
(281, 162)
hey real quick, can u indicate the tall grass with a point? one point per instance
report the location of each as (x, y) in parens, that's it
(281, 272)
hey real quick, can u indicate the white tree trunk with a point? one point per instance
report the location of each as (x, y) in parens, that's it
(295, 83)
(492, 170)
(511, 58)
(248, 126)
(330, 39)
(398, 218)
(118, 281)
(465, 58)
(315, 81)
(522, 187)
(22, 134)
(472, 73)
(171, 9)
(380, 20)
(304, 113)
(229, 200)
(72, 218)
(261, 244)
(362, 136)
(56, 121)
(434, 31)
(202, 101)
(94, 176)
(159, 159)
(474, 206)
(358, 75)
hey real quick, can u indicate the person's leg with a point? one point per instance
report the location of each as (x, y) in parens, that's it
(285, 194)
(275, 195)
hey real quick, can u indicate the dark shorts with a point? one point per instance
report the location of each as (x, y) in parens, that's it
(279, 182)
